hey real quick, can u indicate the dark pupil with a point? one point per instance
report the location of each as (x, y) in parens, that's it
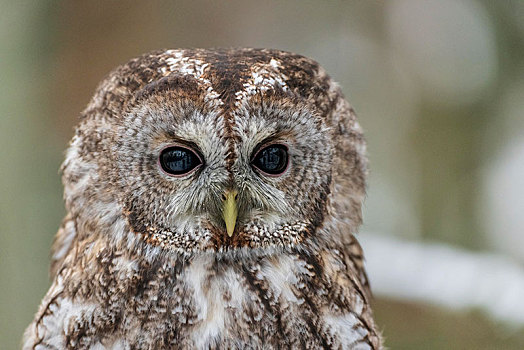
(272, 160)
(178, 160)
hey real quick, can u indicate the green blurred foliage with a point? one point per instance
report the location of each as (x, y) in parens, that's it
(414, 327)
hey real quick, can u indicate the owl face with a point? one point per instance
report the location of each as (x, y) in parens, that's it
(180, 163)
(217, 151)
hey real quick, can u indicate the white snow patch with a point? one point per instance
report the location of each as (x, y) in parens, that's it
(446, 276)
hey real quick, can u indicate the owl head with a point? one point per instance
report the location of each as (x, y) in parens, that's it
(217, 151)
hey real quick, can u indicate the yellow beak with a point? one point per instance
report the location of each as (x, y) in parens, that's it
(230, 211)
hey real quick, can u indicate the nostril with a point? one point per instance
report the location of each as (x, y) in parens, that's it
(236, 195)
(223, 197)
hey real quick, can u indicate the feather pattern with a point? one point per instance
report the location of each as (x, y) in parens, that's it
(142, 259)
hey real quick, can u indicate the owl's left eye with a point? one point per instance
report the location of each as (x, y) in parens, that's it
(178, 160)
(272, 160)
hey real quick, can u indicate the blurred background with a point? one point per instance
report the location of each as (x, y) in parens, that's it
(438, 87)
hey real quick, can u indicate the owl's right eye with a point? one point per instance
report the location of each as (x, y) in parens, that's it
(179, 161)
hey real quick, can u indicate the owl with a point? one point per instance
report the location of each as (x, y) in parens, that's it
(212, 199)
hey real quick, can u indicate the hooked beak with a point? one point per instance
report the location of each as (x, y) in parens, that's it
(230, 211)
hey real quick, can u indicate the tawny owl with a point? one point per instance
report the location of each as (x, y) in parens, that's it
(212, 198)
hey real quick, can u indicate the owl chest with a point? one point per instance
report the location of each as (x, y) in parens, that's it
(223, 307)
(238, 306)
(202, 308)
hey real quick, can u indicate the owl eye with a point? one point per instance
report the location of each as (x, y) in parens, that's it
(272, 160)
(178, 160)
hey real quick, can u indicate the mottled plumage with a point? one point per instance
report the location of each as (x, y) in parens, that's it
(142, 259)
